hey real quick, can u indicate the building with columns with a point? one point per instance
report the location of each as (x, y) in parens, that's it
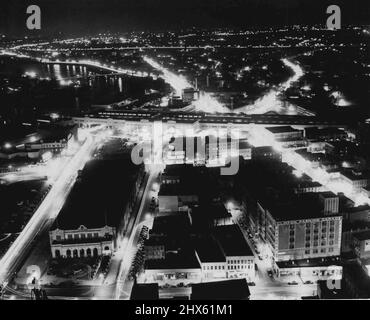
(97, 209)
(82, 242)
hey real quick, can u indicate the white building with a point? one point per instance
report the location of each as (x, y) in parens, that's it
(82, 242)
(239, 257)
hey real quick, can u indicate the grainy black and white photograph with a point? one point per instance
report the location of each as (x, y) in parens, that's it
(191, 150)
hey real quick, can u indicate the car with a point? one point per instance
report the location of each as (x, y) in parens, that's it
(270, 273)
(308, 282)
(293, 283)
(251, 284)
(259, 257)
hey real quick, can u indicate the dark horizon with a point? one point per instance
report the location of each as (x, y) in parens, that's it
(84, 17)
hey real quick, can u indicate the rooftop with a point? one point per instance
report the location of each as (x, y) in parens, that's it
(231, 241)
(282, 129)
(174, 189)
(84, 240)
(363, 235)
(144, 291)
(208, 250)
(169, 225)
(100, 195)
(209, 212)
(184, 259)
(356, 175)
(236, 289)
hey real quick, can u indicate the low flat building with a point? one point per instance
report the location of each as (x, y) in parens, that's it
(285, 133)
(211, 258)
(212, 215)
(239, 257)
(310, 270)
(356, 179)
(171, 197)
(180, 267)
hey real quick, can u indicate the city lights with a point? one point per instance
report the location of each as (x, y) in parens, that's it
(188, 155)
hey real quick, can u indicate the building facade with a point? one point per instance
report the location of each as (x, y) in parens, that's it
(82, 242)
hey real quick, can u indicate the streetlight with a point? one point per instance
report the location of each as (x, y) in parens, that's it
(54, 116)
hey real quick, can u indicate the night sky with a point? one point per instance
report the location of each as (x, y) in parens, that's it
(79, 17)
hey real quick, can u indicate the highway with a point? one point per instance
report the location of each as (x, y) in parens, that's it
(47, 211)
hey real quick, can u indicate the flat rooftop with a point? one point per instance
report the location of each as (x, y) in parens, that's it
(363, 235)
(185, 259)
(145, 291)
(231, 241)
(352, 175)
(99, 197)
(176, 225)
(303, 206)
(282, 129)
(176, 189)
(208, 250)
(210, 211)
